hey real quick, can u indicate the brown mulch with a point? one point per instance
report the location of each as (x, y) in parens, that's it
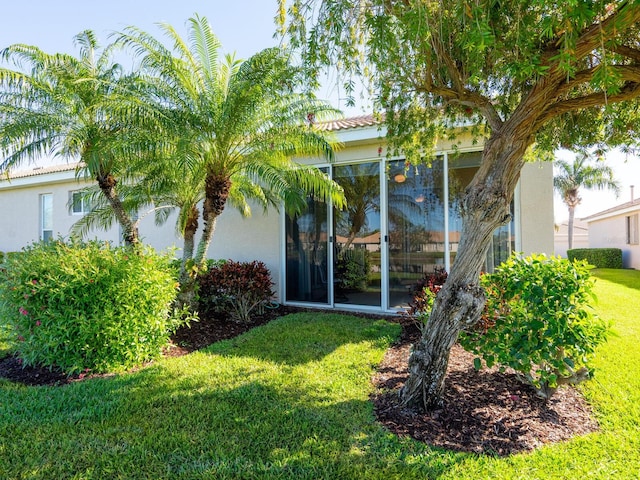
(484, 412)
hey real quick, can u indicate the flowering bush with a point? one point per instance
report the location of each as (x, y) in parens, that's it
(237, 288)
(538, 321)
(88, 307)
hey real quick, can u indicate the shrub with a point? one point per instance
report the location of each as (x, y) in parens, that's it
(236, 288)
(352, 268)
(88, 306)
(543, 325)
(599, 257)
(424, 293)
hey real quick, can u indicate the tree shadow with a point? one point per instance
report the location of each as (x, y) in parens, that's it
(209, 416)
(625, 277)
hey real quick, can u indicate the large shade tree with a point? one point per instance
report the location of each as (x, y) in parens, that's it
(525, 73)
(73, 107)
(231, 127)
(581, 173)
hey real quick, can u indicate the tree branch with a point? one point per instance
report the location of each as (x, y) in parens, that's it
(628, 14)
(630, 91)
(625, 51)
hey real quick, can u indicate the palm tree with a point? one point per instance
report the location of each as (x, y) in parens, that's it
(69, 106)
(221, 131)
(239, 123)
(571, 177)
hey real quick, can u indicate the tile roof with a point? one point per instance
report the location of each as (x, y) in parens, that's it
(65, 167)
(352, 122)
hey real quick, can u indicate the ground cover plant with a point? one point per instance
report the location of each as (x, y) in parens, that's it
(291, 400)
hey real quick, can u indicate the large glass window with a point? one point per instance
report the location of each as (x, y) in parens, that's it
(307, 254)
(389, 236)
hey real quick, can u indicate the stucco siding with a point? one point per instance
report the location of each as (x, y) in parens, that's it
(535, 196)
(611, 233)
(21, 214)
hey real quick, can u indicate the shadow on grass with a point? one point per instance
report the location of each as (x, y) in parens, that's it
(240, 410)
(625, 277)
(306, 337)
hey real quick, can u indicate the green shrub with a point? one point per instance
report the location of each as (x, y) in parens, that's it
(236, 288)
(599, 257)
(540, 322)
(353, 267)
(88, 306)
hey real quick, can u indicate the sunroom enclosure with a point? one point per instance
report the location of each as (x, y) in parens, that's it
(401, 222)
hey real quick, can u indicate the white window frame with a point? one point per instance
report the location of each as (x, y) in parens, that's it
(46, 217)
(83, 202)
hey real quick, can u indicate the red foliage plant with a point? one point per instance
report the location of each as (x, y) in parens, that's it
(235, 288)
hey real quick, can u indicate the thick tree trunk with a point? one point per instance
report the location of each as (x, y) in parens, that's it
(216, 193)
(107, 184)
(459, 303)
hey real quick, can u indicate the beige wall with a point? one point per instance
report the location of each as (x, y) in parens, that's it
(535, 195)
(20, 211)
(611, 232)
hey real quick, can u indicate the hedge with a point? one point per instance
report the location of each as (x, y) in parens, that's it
(599, 257)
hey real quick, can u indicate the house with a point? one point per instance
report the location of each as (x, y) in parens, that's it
(618, 227)
(402, 221)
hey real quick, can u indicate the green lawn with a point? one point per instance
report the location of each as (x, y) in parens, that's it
(290, 400)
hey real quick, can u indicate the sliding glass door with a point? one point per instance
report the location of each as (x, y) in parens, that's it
(400, 223)
(357, 236)
(415, 199)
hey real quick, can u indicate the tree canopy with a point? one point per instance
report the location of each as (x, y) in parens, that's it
(434, 64)
(516, 73)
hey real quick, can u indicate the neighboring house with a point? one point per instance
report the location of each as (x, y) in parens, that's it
(401, 222)
(561, 237)
(618, 227)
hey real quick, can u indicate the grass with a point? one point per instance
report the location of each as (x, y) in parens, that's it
(290, 400)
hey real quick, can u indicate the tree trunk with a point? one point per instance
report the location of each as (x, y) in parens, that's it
(459, 303)
(187, 296)
(572, 212)
(216, 193)
(107, 184)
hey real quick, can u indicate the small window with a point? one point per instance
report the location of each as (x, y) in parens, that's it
(46, 216)
(79, 204)
(632, 229)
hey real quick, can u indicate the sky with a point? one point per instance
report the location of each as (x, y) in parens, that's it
(243, 27)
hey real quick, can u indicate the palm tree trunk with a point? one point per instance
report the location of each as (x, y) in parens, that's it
(107, 184)
(186, 296)
(459, 303)
(572, 211)
(216, 193)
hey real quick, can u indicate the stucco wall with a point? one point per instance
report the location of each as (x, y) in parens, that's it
(20, 210)
(536, 208)
(611, 233)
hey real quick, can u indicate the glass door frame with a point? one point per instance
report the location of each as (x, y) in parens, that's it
(384, 234)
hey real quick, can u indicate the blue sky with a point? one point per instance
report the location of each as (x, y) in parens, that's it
(243, 26)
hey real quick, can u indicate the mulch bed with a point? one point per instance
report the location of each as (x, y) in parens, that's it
(484, 412)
